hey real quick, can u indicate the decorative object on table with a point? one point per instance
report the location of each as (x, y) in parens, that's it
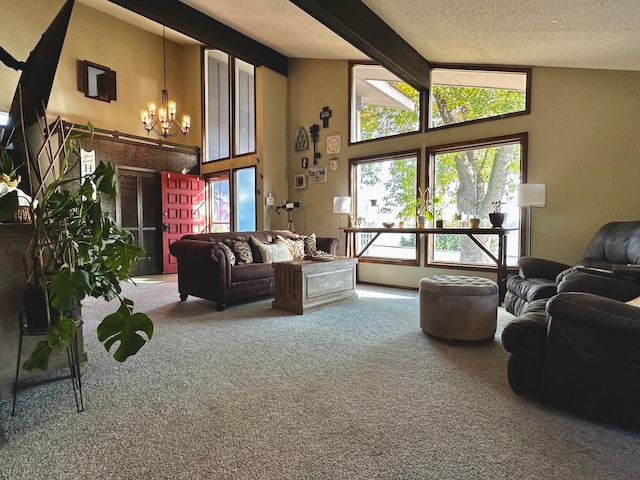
(424, 204)
(333, 144)
(305, 162)
(334, 164)
(325, 115)
(314, 131)
(530, 195)
(301, 141)
(318, 175)
(497, 217)
(164, 120)
(474, 223)
(300, 181)
(401, 224)
(439, 223)
(388, 224)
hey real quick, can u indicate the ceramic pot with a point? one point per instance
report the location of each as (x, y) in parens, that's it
(474, 223)
(439, 223)
(422, 221)
(497, 219)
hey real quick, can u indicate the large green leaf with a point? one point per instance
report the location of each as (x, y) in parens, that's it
(39, 359)
(59, 337)
(106, 179)
(119, 256)
(67, 288)
(123, 327)
(8, 205)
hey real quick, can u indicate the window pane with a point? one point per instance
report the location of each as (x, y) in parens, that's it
(467, 181)
(245, 199)
(245, 111)
(385, 191)
(381, 104)
(459, 96)
(217, 121)
(220, 203)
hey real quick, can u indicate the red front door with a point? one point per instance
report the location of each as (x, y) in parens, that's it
(183, 212)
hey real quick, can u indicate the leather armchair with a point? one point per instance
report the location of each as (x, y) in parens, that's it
(616, 243)
(591, 363)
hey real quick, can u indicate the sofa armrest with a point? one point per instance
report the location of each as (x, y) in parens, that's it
(604, 286)
(328, 244)
(531, 267)
(195, 250)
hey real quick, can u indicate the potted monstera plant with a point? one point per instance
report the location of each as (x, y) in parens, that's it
(76, 251)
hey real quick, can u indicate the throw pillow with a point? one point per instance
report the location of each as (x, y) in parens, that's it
(254, 243)
(635, 302)
(296, 246)
(230, 255)
(241, 249)
(274, 252)
(310, 247)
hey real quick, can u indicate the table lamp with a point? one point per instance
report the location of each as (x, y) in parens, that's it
(341, 205)
(530, 195)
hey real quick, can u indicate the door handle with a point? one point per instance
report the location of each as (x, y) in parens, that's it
(165, 227)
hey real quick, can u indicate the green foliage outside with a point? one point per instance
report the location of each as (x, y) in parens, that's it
(377, 122)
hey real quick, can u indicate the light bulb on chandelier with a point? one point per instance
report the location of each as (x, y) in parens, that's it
(163, 120)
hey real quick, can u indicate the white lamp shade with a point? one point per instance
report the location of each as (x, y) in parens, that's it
(341, 204)
(531, 194)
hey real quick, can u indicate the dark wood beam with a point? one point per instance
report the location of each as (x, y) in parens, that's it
(189, 21)
(362, 28)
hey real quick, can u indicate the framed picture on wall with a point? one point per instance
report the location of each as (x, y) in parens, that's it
(300, 181)
(318, 175)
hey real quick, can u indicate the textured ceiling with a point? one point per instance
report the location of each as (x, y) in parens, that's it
(603, 34)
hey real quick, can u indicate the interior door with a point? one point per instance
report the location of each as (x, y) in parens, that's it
(183, 211)
(137, 211)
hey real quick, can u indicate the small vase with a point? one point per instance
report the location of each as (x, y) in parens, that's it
(440, 223)
(474, 223)
(422, 220)
(497, 219)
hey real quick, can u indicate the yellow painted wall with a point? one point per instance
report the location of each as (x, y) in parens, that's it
(135, 55)
(583, 144)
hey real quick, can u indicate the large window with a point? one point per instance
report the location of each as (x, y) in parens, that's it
(244, 196)
(463, 95)
(219, 203)
(381, 104)
(384, 189)
(468, 179)
(224, 74)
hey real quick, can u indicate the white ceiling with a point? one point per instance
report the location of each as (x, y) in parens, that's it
(602, 34)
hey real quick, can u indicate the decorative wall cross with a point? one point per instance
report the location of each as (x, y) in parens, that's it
(325, 114)
(314, 133)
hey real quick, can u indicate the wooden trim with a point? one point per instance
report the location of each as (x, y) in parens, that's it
(362, 28)
(195, 24)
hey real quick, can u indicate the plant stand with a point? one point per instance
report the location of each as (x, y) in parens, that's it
(72, 357)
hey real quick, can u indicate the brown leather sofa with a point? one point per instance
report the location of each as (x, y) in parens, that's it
(205, 268)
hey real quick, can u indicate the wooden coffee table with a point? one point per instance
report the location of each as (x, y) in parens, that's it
(303, 286)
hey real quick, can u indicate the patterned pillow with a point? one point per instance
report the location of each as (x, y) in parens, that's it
(230, 255)
(296, 246)
(274, 252)
(310, 247)
(241, 249)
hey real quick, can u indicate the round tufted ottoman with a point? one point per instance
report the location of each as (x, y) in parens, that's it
(456, 307)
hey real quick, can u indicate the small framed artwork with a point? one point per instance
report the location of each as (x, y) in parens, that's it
(318, 175)
(334, 164)
(305, 162)
(300, 181)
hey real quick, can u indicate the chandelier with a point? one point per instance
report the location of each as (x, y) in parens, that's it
(163, 120)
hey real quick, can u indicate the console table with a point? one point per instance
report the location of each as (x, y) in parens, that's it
(500, 260)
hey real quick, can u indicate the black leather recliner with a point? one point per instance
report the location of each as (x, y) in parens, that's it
(616, 243)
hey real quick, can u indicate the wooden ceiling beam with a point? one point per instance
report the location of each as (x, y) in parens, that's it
(189, 21)
(363, 29)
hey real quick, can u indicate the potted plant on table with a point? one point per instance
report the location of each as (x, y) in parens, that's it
(497, 218)
(78, 250)
(424, 204)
